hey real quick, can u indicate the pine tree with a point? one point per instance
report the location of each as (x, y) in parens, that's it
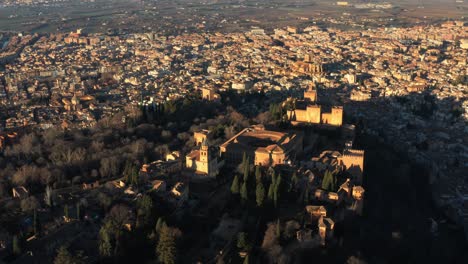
(241, 240)
(260, 194)
(145, 207)
(243, 192)
(166, 248)
(16, 245)
(154, 235)
(235, 185)
(64, 257)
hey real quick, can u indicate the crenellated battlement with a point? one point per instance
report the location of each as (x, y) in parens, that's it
(353, 152)
(353, 161)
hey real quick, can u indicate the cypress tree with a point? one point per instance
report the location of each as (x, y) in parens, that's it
(246, 169)
(278, 229)
(127, 172)
(294, 179)
(329, 181)
(105, 245)
(35, 223)
(135, 174)
(78, 213)
(334, 181)
(243, 192)
(275, 197)
(271, 191)
(260, 194)
(246, 259)
(276, 190)
(166, 248)
(273, 176)
(65, 211)
(16, 245)
(306, 195)
(258, 174)
(325, 181)
(48, 196)
(278, 181)
(244, 160)
(159, 224)
(235, 185)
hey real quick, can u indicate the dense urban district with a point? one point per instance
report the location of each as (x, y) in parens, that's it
(298, 145)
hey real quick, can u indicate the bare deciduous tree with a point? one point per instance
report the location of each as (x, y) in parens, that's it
(29, 204)
(109, 167)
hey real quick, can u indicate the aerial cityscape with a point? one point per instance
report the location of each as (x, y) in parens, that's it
(233, 131)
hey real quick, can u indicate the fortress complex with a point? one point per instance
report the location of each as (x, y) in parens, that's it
(264, 147)
(308, 111)
(209, 94)
(310, 65)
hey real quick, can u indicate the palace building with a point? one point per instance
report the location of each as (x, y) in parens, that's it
(308, 68)
(263, 147)
(350, 160)
(309, 112)
(310, 95)
(204, 161)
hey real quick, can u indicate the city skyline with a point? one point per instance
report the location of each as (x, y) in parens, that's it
(233, 131)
